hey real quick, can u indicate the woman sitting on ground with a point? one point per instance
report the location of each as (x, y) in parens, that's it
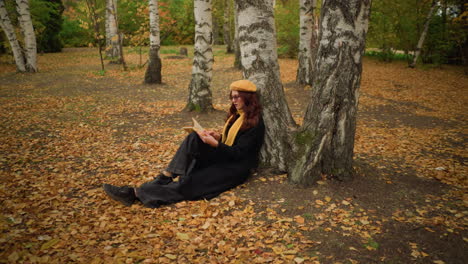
(207, 163)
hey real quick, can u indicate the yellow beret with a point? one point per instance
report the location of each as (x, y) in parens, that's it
(243, 86)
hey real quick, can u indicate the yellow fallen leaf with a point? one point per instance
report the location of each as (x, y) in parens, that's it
(170, 256)
(415, 254)
(299, 219)
(327, 198)
(50, 243)
(13, 257)
(277, 250)
(183, 236)
(298, 260)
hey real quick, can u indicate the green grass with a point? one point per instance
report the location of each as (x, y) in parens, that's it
(388, 56)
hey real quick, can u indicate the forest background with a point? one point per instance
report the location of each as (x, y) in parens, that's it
(394, 29)
(70, 127)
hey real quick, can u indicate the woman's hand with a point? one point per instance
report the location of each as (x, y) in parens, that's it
(214, 134)
(207, 138)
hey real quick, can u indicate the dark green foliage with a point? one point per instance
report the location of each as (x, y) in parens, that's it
(73, 35)
(47, 20)
(397, 25)
(287, 26)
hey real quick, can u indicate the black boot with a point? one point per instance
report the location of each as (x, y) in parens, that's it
(125, 194)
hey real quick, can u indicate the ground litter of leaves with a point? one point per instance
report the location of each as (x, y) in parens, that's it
(69, 128)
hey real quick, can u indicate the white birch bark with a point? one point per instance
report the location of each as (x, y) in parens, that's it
(9, 30)
(307, 37)
(107, 26)
(417, 52)
(257, 40)
(24, 18)
(112, 37)
(324, 144)
(153, 72)
(200, 98)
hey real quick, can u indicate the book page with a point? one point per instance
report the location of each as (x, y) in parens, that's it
(195, 127)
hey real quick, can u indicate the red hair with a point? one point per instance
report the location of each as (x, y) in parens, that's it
(252, 110)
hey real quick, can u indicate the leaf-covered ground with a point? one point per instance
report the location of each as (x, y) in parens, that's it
(67, 129)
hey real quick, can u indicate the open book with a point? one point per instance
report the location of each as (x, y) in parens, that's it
(195, 127)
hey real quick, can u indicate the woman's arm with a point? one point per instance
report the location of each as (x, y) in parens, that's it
(208, 138)
(247, 142)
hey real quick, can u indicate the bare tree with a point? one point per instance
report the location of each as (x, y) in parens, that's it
(153, 72)
(91, 4)
(200, 98)
(325, 142)
(257, 40)
(9, 30)
(22, 6)
(307, 42)
(417, 52)
(112, 37)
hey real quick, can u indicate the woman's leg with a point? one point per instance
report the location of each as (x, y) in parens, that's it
(190, 148)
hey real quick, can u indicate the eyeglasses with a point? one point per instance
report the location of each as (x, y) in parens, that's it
(234, 97)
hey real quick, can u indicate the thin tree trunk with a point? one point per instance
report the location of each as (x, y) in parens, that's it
(324, 144)
(112, 38)
(91, 4)
(423, 35)
(9, 30)
(120, 39)
(226, 27)
(153, 72)
(237, 52)
(25, 22)
(257, 38)
(307, 32)
(107, 25)
(200, 98)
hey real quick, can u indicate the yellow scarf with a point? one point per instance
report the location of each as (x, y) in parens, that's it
(232, 133)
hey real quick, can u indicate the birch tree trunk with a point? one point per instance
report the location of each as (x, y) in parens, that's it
(226, 26)
(306, 39)
(112, 37)
(417, 52)
(153, 72)
(9, 30)
(257, 40)
(24, 17)
(200, 98)
(324, 144)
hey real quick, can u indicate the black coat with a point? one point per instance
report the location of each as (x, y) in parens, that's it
(226, 167)
(211, 170)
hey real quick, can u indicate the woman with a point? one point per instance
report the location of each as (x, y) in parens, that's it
(207, 163)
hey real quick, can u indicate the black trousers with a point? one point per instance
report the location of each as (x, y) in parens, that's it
(153, 194)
